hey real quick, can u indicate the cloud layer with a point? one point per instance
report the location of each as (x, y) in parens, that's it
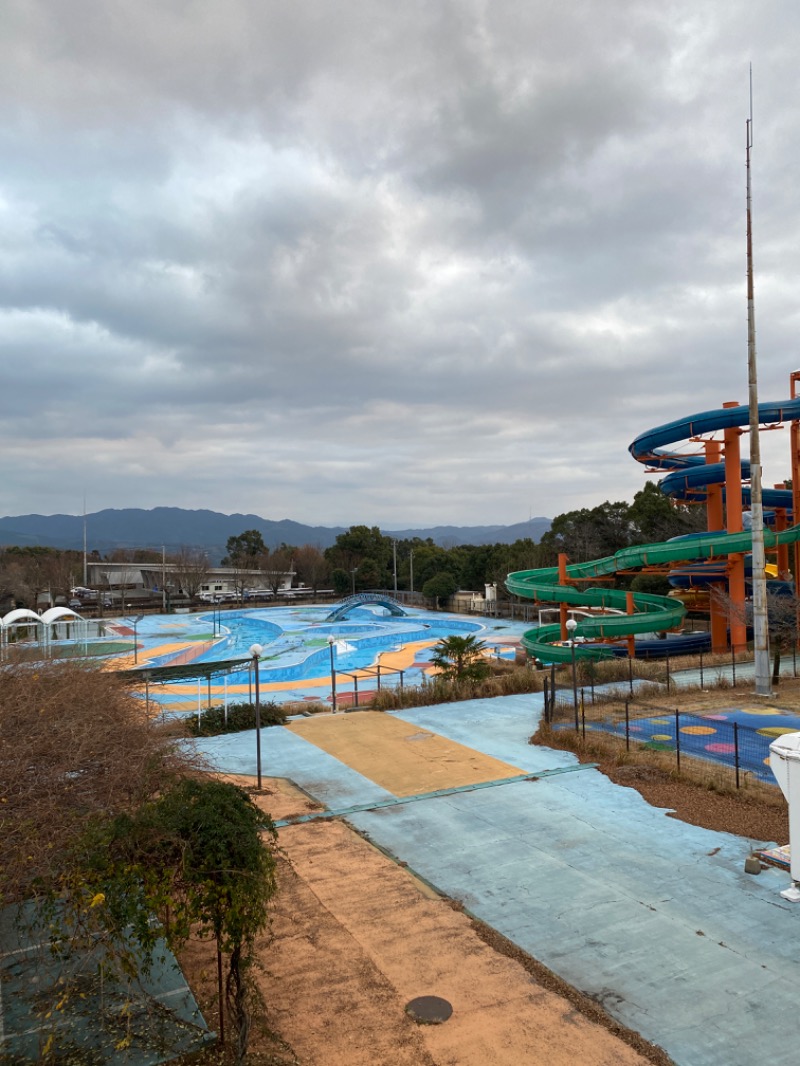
(396, 264)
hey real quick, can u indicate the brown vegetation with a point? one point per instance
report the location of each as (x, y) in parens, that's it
(73, 744)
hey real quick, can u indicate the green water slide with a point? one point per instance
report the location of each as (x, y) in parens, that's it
(653, 614)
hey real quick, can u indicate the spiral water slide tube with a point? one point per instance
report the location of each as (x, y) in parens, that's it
(651, 613)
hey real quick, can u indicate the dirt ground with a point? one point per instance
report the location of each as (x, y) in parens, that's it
(354, 936)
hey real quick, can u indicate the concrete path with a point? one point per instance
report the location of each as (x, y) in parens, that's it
(653, 917)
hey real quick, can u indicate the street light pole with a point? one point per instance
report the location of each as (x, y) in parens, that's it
(572, 625)
(332, 646)
(353, 578)
(136, 622)
(255, 652)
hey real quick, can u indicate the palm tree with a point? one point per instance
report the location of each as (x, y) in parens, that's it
(461, 658)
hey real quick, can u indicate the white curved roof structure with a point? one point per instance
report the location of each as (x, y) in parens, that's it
(20, 616)
(58, 614)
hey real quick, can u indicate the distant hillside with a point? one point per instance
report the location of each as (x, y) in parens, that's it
(450, 536)
(172, 527)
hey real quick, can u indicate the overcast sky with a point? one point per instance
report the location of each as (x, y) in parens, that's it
(389, 263)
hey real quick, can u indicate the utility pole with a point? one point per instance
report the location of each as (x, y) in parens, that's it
(760, 619)
(85, 564)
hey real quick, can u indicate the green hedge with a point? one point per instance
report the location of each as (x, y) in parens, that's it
(241, 716)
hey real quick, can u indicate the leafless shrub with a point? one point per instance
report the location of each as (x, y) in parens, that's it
(73, 744)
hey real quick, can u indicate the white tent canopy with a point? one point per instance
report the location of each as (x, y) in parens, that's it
(58, 614)
(20, 616)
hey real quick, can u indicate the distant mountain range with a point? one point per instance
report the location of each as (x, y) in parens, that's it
(172, 527)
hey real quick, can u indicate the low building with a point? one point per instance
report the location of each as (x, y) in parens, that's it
(123, 581)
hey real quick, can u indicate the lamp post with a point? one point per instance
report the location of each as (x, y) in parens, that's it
(572, 625)
(332, 646)
(135, 622)
(255, 652)
(353, 573)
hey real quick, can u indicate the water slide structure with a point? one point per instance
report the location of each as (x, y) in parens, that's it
(712, 473)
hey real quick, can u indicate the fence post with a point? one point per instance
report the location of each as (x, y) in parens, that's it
(553, 689)
(553, 685)
(733, 666)
(794, 658)
(701, 671)
(630, 674)
(668, 672)
(736, 750)
(627, 726)
(583, 716)
(678, 738)
(546, 690)
(591, 683)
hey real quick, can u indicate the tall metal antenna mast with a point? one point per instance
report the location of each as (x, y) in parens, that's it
(85, 567)
(760, 619)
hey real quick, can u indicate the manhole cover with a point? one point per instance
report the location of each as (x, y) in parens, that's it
(429, 1010)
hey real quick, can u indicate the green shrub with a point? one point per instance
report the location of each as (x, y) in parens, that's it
(240, 716)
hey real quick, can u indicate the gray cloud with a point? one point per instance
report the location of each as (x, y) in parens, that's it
(395, 264)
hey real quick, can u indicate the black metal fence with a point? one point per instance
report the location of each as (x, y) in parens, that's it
(727, 747)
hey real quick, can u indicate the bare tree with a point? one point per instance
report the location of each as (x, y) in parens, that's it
(191, 569)
(13, 583)
(274, 566)
(60, 569)
(783, 615)
(313, 569)
(29, 569)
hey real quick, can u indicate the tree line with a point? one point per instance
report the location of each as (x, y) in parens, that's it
(365, 558)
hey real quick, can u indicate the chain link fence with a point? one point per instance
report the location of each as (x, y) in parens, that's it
(735, 751)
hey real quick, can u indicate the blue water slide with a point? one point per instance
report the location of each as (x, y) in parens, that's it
(690, 475)
(648, 447)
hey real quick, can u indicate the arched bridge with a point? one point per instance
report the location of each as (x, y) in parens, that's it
(360, 599)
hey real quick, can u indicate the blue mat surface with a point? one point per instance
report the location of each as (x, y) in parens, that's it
(653, 917)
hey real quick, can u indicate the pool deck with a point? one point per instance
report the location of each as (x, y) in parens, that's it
(653, 917)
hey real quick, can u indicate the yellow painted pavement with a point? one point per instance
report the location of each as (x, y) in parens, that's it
(400, 757)
(126, 662)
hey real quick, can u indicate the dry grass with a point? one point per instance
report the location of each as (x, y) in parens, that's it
(610, 751)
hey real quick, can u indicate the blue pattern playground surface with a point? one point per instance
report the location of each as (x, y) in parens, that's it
(725, 736)
(654, 918)
(371, 644)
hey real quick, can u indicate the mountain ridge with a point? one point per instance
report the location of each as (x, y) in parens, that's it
(173, 527)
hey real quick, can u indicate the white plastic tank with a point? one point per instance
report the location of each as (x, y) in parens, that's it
(784, 761)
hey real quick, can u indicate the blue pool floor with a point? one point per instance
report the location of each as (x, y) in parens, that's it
(653, 917)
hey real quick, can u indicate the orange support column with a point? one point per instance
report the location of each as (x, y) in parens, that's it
(714, 511)
(716, 521)
(794, 435)
(782, 550)
(733, 510)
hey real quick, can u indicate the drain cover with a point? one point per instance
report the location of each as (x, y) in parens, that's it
(429, 1010)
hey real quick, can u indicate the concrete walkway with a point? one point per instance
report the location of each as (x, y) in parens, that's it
(653, 917)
